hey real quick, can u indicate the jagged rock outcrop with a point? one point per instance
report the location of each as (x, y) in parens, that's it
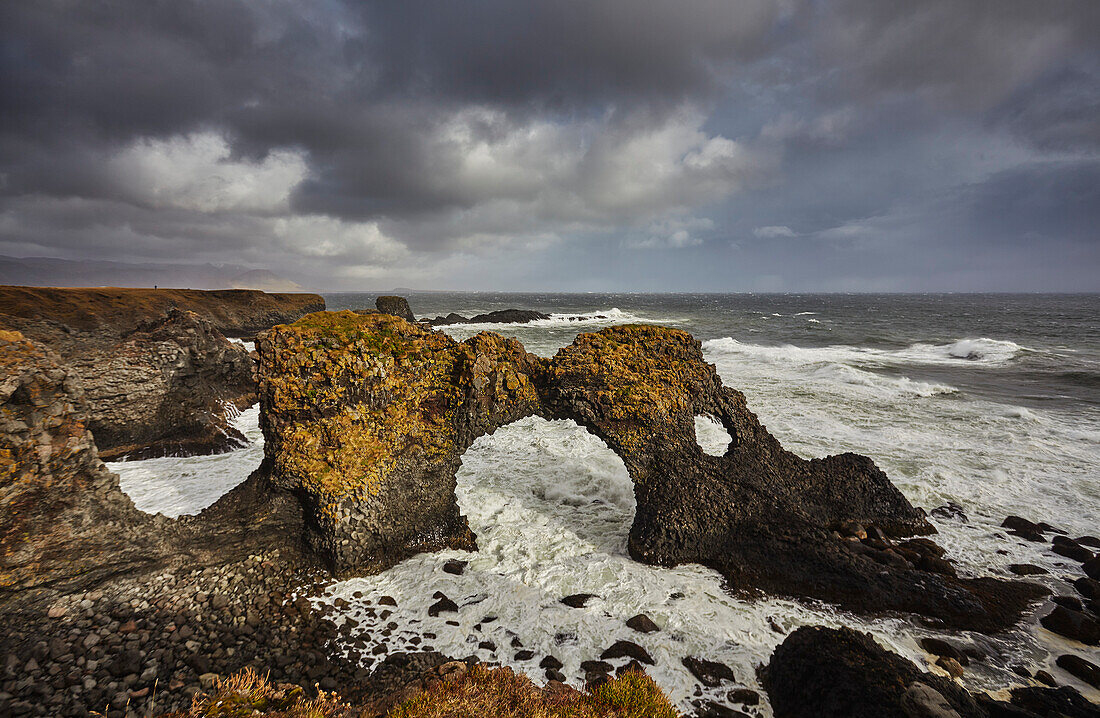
(111, 310)
(158, 375)
(397, 306)
(501, 316)
(366, 417)
(840, 673)
(168, 386)
(62, 515)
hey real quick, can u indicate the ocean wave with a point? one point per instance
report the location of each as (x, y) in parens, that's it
(979, 352)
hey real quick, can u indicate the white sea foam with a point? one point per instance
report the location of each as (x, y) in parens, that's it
(175, 485)
(552, 507)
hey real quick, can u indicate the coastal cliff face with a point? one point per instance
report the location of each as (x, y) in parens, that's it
(366, 418)
(233, 312)
(62, 515)
(168, 386)
(158, 375)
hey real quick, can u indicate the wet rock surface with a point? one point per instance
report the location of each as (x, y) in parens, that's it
(841, 673)
(366, 417)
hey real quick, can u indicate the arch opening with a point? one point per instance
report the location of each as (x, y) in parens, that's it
(713, 438)
(552, 477)
(185, 485)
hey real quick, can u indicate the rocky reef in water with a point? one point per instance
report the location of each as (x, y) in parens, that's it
(158, 378)
(501, 316)
(366, 418)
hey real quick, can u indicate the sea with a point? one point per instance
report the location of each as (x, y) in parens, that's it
(989, 403)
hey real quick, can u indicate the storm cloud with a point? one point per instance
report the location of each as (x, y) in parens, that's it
(766, 144)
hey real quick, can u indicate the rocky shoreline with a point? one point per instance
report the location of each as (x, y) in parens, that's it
(365, 417)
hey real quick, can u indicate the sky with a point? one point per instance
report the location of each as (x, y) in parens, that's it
(570, 145)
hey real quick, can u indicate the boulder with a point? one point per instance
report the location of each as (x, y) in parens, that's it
(1084, 669)
(366, 418)
(396, 306)
(840, 673)
(642, 624)
(1072, 624)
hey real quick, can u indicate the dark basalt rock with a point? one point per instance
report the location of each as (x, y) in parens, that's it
(642, 624)
(502, 316)
(366, 419)
(1092, 568)
(1086, 670)
(627, 649)
(1027, 569)
(1088, 587)
(1064, 702)
(1072, 624)
(397, 306)
(841, 673)
(577, 600)
(1070, 549)
(709, 673)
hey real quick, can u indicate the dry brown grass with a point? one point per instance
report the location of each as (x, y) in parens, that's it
(477, 693)
(501, 693)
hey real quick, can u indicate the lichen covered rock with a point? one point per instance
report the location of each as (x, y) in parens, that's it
(367, 417)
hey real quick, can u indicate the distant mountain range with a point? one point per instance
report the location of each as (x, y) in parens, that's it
(47, 272)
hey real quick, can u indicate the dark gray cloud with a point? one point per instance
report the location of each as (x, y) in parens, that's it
(710, 145)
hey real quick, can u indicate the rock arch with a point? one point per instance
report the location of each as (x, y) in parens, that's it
(365, 419)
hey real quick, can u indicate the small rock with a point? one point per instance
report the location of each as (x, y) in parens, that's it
(524, 655)
(57, 611)
(922, 701)
(443, 605)
(550, 662)
(577, 600)
(716, 710)
(206, 680)
(709, 673)
(951, 511)
(1027, 569)
(1070, 602)
(1092, 568)
(1088, 587)
(744, 696)
(939, 647)
(555, 675)
(1088, 541)
(953, 667)
(596, 667)
(627, 649)
(1072, 624)
(455, 567)
(642, 624)
(1017, 523)
(387, 601)
(1087, 671)
(1045, 678)
(1070, 549)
